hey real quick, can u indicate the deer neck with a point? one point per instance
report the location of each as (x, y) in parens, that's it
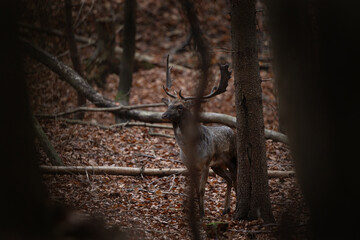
(181, 124)
(180, 128)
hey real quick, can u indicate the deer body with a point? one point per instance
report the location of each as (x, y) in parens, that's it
(215, 148)
(211, 147)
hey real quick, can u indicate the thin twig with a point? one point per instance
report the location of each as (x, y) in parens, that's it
(57, 33)
(161, 135)
(161, 221)
(80, 47)
(172, 183)
(163, 192)
(160, 158)
(221, 49)
(108, 109)
(119, 125)
(86, 15)
(78, 14)
(141, 124)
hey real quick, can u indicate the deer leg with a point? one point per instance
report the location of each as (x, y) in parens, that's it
(203, 180)
(233, 172)
(227, 176)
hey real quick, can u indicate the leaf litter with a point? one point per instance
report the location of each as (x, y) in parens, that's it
(149, 207)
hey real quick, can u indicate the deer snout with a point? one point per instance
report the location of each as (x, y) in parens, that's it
(165, 115)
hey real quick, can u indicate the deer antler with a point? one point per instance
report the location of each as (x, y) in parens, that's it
(224, 79)
(168, 79)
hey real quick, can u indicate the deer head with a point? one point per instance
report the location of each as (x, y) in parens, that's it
(179, 106)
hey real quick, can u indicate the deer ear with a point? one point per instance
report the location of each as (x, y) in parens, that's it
(166, 101)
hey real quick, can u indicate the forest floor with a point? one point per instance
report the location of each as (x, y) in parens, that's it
(149, 207)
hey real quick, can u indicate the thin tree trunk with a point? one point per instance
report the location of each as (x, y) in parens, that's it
(253, 200)
(46, 144)
(103, 58)
(75, 59)
(127, 58)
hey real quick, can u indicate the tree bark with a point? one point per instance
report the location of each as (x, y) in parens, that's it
(129, 171)
(253, 200)
(75, 59)
(127, 58)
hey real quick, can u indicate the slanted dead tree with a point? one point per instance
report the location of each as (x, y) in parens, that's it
(77, 82)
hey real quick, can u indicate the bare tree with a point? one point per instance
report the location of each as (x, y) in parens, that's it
(253, 200)
(75, 59)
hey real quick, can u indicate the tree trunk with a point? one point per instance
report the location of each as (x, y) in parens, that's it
(103, 58)
(253, 200)
(127, 58)
(75, 59)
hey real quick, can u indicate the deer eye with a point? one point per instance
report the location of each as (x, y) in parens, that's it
(180, 107)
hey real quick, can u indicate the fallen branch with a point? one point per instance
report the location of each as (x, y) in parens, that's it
(129, 171)
(119, 125)
(107, 109)
(77, 82)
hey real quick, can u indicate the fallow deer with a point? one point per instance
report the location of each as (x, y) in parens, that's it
(215, 147)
